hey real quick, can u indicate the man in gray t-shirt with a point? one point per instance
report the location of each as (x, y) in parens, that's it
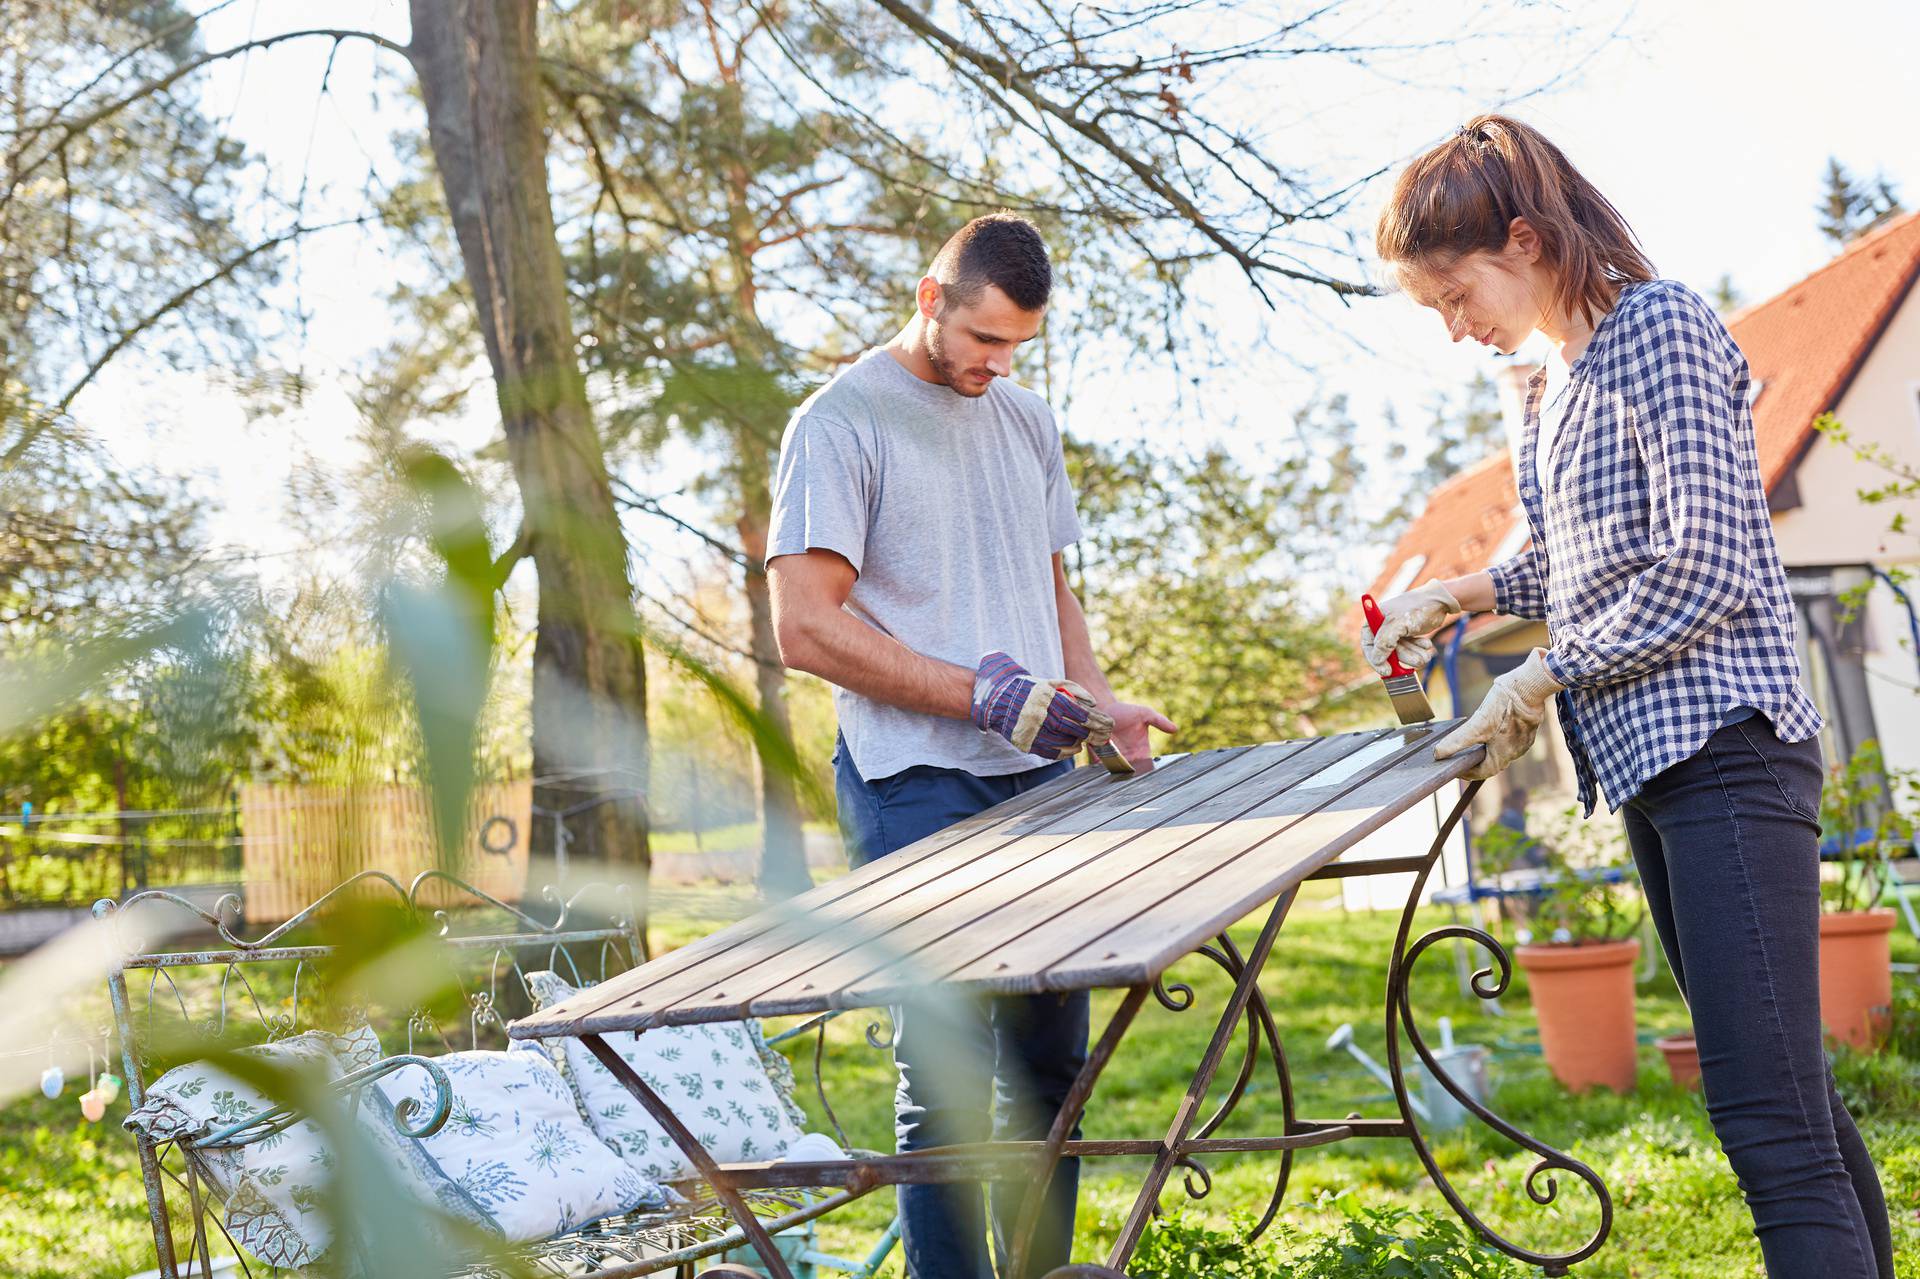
(919, 513)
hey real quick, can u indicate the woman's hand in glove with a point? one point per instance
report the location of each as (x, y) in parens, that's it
(1406, 621)
(1508, 717)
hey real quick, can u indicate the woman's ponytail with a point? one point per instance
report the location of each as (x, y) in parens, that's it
(1462, 196)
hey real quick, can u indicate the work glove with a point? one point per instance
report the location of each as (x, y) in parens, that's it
(1508, 717)
(1049, 718)
(1405, 622)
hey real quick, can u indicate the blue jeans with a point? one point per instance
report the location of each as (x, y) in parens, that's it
(1728, 846)
(999, 1067)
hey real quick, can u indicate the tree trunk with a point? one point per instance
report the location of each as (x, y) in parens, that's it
(783, 857)
(477, 63)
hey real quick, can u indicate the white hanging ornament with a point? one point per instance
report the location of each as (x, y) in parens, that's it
(53, 1081)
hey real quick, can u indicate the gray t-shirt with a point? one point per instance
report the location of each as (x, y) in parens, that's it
(950, 509)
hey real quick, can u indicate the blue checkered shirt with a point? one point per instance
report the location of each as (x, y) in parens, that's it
(1653, 561)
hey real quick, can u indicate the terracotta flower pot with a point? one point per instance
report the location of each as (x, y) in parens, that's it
(1583, 996)
(1856, 975)
(1683, 1058)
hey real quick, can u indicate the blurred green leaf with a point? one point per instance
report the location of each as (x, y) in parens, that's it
(442, 638)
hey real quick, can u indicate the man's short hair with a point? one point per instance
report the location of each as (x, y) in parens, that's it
(1001, 249)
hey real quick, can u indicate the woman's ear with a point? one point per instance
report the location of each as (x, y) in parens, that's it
(1523, 240)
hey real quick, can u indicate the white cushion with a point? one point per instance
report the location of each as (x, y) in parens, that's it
(713, 1077)
(515, 1148)
(272, 1187)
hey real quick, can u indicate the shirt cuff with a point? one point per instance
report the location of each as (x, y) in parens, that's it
(1502, 592)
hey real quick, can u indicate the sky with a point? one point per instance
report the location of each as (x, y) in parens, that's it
(1707, 122)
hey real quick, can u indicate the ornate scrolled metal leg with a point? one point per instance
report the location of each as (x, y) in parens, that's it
(1260, 1025)
(820, 1083)
(1487, 984)
(1173, 1152)
(1260, 1030)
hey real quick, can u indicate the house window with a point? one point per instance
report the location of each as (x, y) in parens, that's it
(1403, 577)
(1516, 538)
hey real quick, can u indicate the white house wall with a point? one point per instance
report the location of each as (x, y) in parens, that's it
(1408, 835)
(1882, 407)
(1893, 677)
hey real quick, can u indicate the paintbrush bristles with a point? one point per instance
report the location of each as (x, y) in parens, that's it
(1409, 699)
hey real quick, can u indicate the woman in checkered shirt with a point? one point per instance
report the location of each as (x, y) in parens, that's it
(1671, 649)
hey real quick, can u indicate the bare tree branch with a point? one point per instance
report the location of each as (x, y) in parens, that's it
(993, 75)
(182, 296)
(80, 124)
(163, 34)
(634, 500)
(517, 550)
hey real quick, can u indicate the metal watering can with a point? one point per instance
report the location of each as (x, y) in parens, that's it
(1464, 1064)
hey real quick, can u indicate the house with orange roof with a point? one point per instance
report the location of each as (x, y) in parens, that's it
(1845, 340)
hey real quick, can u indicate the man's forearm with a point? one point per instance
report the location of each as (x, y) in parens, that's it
(1076, 648)
(843, 650)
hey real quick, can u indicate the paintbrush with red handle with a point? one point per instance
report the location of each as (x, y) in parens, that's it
(1403, 686)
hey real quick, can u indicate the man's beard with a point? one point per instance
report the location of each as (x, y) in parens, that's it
(950, 373)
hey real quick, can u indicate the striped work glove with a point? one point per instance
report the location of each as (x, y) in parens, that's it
(1049, 718)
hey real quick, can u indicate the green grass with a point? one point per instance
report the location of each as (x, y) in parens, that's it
(717, 839)
(1679, 1212)
(72, 1205)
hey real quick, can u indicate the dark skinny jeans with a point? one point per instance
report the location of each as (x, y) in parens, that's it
(1728, 846)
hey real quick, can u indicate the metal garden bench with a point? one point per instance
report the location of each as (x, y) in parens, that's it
(242, 989)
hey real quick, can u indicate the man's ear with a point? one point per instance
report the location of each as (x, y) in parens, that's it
(1523, 239)
(927, 297)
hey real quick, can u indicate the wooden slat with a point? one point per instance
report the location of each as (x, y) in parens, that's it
(805, 939)
(1060, 796)
(1014, 947)
(1208, 884)
(1158, 936)
(1086, 882)
(962, 896)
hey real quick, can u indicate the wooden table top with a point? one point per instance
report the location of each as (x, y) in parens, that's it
(1089, 881)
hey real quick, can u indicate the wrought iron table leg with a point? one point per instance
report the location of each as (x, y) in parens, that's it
(690, 1146)
(1172, 1147)
(1260, 1026)
(1071, 1108)
(1399, 1020)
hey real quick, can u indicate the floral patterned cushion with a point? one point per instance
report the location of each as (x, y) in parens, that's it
(272, 1188)
(713, 1077)
(515, 1149)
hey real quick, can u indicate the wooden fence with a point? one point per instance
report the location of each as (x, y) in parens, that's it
(299, 841)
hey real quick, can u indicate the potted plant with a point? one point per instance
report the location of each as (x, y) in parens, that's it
(1862, 830)
(1580, 952)
(1683, 1057)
